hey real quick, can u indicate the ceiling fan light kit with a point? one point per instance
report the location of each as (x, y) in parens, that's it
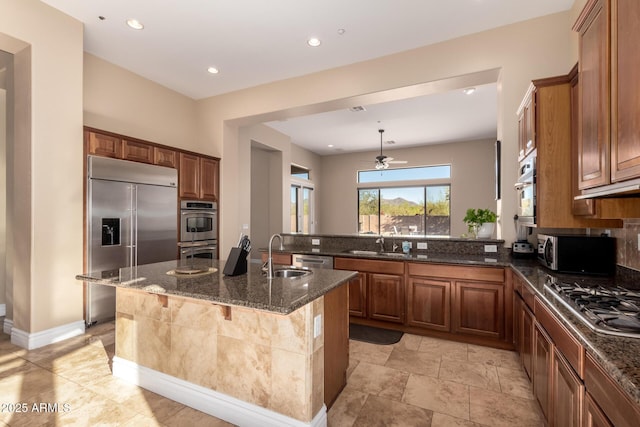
(382, 161)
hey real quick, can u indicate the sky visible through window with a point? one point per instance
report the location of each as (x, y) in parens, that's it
(405, 174)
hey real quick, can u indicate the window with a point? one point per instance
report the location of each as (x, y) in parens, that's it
(299, 172)
(301, 211)
(405, 174)
(405, 210)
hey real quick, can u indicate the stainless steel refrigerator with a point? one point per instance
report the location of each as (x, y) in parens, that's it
(132, 220)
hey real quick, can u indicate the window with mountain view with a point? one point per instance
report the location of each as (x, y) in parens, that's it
(405, 210)
(423, 210)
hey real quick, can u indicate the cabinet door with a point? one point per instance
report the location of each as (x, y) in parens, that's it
(165, 157)
(386, 297)
(137, 151)
(593, 140)
(526, 335)
(189, 176)
(522, 135)
(567, 392)
(529, 125)
(593, 415)
(429, 302)
(336, 343)
(479, 309)
(103, 145)
(209, 179)
(625, 90)
(542, 354)
(357, 296)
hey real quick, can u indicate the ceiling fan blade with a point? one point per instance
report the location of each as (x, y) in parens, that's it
(398, 162)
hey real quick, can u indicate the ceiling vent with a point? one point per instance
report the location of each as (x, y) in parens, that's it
(357, 109)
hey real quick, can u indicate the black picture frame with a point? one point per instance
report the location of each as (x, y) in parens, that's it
(498, 166)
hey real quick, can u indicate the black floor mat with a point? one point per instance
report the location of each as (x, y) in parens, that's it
(373, 335)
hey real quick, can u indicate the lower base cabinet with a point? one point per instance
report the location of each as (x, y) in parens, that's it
(568, 393)
(542, 354)
(478, 309)
(336, 343)
(593, 415)
(429, 303)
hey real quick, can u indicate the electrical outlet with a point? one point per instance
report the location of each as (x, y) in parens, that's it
(422, 245)
(491, 248)
(317, 326)
(315, 242)
(638, 241)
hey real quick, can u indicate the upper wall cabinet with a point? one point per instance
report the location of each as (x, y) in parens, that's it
(609, 92)
(198, 177)
(526, 125)
(550, 101)
(106, 144)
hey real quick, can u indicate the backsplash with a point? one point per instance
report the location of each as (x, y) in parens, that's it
(628, 253)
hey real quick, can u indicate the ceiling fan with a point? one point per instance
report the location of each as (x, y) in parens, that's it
(382, 161)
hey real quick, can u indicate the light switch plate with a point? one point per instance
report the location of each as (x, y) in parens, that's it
(317, 326)
(315, 242)
(491, 248)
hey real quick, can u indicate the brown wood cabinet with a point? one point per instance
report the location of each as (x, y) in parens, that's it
(568, 393)
(429, 303)
(336, 343)
(278, 258)
(165, 157)
(593, 415)
(103, 145)
(625, 90)
(542, 354)
(614, 403)
(386, 297)
(198, 177)
(526, 125)
(382, 285)
(609, 92)
(478, 309)
(556, 184)
(526, 355)
(358, 296)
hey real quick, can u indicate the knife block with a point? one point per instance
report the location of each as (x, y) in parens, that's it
(236, 262)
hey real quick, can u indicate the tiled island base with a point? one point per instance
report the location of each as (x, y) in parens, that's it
(242, 365)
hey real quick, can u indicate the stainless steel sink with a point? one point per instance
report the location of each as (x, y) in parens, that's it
(358, 252)
(290, 272)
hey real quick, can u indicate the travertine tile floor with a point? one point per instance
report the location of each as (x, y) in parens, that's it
(416, 382)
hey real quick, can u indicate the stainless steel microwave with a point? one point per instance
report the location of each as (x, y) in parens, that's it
(578, 254)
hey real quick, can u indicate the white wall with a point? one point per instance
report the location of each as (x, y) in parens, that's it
(524, 51)
(472, 181)
(46, 187)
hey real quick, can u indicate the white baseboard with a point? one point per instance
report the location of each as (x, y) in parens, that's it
(40, 339)
(3, 310)
(7, 326)
(206, 400)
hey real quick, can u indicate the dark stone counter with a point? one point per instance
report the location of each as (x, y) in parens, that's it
(619, 356)
(253, 290)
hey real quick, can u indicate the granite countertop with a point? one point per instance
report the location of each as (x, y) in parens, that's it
(488, 259)
(253, 290)
(619, 356)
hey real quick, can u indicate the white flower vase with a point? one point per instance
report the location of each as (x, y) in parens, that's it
(486, 230)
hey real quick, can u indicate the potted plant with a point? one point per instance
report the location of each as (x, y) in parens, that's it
(480, 222)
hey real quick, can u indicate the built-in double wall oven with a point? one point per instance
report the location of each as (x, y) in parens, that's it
(526, 188)
(198, 229)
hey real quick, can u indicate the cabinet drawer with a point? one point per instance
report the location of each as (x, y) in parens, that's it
(562, 338)
(369, 265)
(618, 407)
(486, 274)
(527, 295)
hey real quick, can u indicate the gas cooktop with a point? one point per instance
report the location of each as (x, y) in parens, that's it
(609, 310)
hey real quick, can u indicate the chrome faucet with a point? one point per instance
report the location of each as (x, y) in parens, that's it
(270, 259)
(380, 240)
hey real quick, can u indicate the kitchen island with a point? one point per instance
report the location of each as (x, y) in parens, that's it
(245, 349)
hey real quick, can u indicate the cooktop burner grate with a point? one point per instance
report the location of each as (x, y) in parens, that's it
(614, 311)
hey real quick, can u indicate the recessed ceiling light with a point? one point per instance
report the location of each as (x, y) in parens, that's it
(330, 145)
(213, 70)
(135, 24)
(314, 42)
(341, 31)
(469, 90)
